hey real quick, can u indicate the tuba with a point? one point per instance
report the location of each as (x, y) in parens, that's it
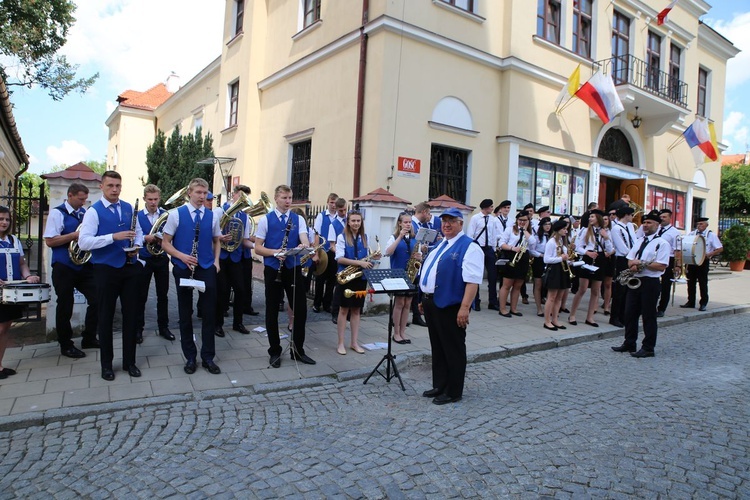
(232, 225)
(77, 256)
(353, 272)
(256, 210)
(176, 200)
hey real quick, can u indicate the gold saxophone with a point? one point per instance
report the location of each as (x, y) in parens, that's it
(353, 272)
(233, 226)
(414, 264)
(176, 200)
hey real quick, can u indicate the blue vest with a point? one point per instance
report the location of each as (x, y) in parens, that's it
(15, 259)
(402, 253)
(185, 236)
(275, 236)
(338, 227)
(449, 283)
(324, 227)
(239, 253)
(362, 252)
(109, 223)
(146, 227)
(70, 224)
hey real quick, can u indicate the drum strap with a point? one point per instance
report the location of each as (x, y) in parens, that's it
(8, 260)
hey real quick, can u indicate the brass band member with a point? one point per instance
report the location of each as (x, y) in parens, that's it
(484, 229)
(325, 225)
(423, 218)
(699, 274)
(669, 233)
(557, 274)
(278, 231)
(155, 265)
(514, 239)
(106, 232)
(338, 228)
(623, 238)
(400, 247)
(593, 244)
(61, 230)
(536, 251)
(191, 238)
(647, 259)
(12, 267)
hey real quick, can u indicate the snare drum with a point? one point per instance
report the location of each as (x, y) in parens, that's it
(21, 293)
(693, 249)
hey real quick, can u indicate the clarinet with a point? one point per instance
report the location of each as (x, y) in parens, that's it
(194, 250)
(283, 246)
(133, 223)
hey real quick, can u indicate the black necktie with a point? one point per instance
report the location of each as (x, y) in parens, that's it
(486, 236)
(640, 250)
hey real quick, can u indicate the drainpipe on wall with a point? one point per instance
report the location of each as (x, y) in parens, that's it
(360, 98)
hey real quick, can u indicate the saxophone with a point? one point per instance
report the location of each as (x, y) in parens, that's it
(353, 272)
(414, 264)
(627, 277)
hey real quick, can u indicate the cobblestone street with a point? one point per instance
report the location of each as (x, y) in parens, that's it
(569, 422)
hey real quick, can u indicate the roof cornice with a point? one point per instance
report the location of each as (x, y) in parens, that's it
(8, 123)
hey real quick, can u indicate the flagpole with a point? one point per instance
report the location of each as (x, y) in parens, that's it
(676, 142)
(560, 109)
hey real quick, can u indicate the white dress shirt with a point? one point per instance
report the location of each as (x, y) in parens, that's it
(56, 221)
(623, 237)
(670, 234)
(174, 220)
(656, 250)
(262, 230)
(87, 239)
(477, 233)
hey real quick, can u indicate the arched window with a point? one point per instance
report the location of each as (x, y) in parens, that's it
(615, 147)
(453, 112)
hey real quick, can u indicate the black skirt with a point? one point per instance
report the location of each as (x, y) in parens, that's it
(537, 267)
(519, 271)
(600, 262)
(557, 279)
(356, 285)
(10, 312)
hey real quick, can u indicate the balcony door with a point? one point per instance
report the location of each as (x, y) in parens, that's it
(620, 48)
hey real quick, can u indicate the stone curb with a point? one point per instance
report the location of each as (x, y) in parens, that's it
(405, 361)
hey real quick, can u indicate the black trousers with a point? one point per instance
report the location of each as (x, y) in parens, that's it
(666, 285)
(65, 279)
(699, 275)
(489, 265)
(642, 302)
(208, 310)
(325, 283)
(247, 278)
(448, 345)
(230, 276)
(158, 267)
(619, 292)
(113, 283)
(293, 285)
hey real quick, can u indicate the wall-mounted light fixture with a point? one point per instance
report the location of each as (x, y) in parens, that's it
(636, 121)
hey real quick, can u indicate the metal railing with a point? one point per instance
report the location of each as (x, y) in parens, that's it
(630, 70)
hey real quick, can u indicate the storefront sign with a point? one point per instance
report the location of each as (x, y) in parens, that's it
(409, 167)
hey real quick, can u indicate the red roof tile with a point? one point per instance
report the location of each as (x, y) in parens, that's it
(150, 99)
(742, 159)
(79, 171)
(446, 201)
(381, 194)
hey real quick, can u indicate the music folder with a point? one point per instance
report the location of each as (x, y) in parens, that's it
(389, 280)
(425, 235)
(197, 284)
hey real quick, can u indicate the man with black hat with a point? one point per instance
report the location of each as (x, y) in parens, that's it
(502, 212)
(647, 259)
(484, 230)
(668, 233)
(623, 238)
(699, 274)
(542, 212)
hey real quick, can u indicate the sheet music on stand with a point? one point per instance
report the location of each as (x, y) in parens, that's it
(389, 281)
(425, 236)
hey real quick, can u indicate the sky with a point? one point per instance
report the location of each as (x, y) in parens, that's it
(136, 44)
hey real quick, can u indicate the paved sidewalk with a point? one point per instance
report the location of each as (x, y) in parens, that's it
(49, 386)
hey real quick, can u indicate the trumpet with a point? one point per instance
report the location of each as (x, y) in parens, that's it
(522, 250)
(353, 272)
(564, 263)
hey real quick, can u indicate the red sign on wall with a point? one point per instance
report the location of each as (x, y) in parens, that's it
(409, 167)
(235, 181)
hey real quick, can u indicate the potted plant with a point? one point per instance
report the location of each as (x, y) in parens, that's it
(736, 242)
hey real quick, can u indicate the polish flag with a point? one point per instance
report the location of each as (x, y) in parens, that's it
(600, 94)
(661, 17)
(698, 136)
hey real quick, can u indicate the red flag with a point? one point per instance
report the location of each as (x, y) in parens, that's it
(600, 94)
(661, 17)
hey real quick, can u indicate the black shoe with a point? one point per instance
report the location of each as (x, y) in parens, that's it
(220, 331)
(516, 313)
(659, 314)
(688, 306)
(505, 315)
(73, 352)
(564, 310)
(212, 367)
(616, 323)
(642, 354)
(316, 309)
(402, 341)
(553, 328)
(524, 300)
(623, 348)
(190, 367)
(418, 321)
(702, 308)
(251, 312)
(7, 372)
(132, 370)
(493, 307)
(445, 399)
(275, 361)
(241, 329)
(432, 393)
(108, 374)
(90, 344)
(303, 358)
(166, 334)
(139, 336)
(592, 323)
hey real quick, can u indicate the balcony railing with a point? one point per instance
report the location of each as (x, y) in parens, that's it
(633, 71)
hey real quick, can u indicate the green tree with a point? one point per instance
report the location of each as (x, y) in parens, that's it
(735, 188)
(172, 162)
(29, 185)
(31, 34)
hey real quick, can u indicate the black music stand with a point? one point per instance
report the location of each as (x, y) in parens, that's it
(375, 279)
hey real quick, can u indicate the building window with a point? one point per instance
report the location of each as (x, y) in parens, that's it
(653, 61)
(615, 147)
(620, 47)
(675, 54)
(310, 12)
(449, 168)
(239, 7)
(702, 91)
(234, 102)
(548, 20)
(467, 5)
(560, 187)
(300, 184)
(659, 198)
(582, 27)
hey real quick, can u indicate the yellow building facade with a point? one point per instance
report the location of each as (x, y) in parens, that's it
(455, 97)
